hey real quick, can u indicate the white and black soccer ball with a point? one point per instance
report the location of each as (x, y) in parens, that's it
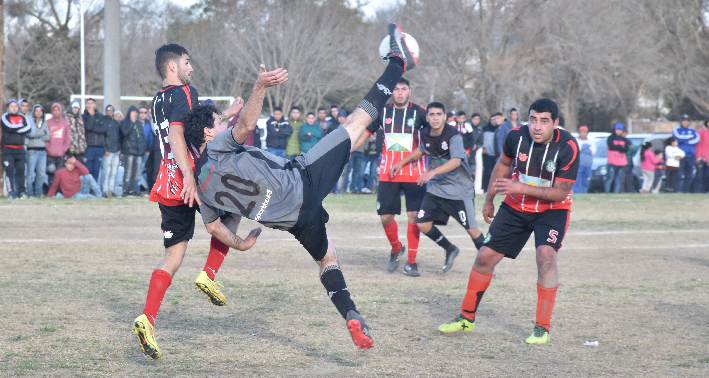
(385, 48)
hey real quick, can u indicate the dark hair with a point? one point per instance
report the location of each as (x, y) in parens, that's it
(436, 105)
(497, 114)
(195, 122)
(295, 107)
(460, 113)
(90, 99)
(669, 141)
(278, 109)
(310, 113)
(544, 105)
(321, 108)
(475, 115)
(404, 80)
(335, 106)
(646, 146)
(166, 54)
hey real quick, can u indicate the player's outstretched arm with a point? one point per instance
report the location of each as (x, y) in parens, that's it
(396, 168)
(224, 235)
(176, 137)
(252, 109)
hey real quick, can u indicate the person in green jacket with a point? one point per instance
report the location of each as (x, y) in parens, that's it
(293, 148)
(309, 133)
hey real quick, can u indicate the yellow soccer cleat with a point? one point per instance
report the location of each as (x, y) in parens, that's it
(146, 336)
(460, 323)
(209, 287)
(540, 335)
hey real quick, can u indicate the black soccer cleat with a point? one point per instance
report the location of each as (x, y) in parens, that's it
(393, 263)
(399, 48)
(358, 330)
(450, 257)
(412, 270)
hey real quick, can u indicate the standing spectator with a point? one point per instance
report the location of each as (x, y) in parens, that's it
(489, 148)
(649, 163)
(322, 121)
(466, 131)
(702, 154)
(451, 118)
(78, 132)
(293, 146)
(24, 109)
(673, 158)
(149, 136)
(73, 181)
(344, 180)
(355, 166)
(96, 129)
(629, 177)
(587, 148)
(335, 122)
(59, 141)
(504, 129)
(152, 167)
(37, 153)
(254, 137)
(133, 150)
(617, 159)
(477, 135)
(372, 150)
(687, 138)
(278, 131)
(14, 128)
(112, 154)
(334, 112)
(309, 133)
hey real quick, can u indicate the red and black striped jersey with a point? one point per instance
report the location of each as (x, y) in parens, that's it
(169, 107)
(401, 137)
(540, 165)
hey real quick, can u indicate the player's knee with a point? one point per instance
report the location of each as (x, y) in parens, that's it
(424, 227)
(211, 227)
(546, 255)
(387, 219)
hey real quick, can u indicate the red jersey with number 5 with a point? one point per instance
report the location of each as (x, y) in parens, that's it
(169, 107)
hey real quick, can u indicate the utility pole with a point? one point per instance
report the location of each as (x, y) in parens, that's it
(112, 54)
(2, 84)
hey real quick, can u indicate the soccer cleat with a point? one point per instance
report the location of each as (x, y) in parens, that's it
(460, 323)
(358, 330)
(209, 287)
(393, 263)
(450, 258)
(399, 48)
(412, 270)
(146, 336)
(540, 335)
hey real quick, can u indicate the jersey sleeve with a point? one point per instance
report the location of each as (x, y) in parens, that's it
(456, 147)
(568, 161)
(508, 148)
(375, 125)
(223, 142)
(184, 101)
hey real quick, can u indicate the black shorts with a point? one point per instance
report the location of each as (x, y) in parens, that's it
(177, 223)
(437, 210)
(389, 197)
(510, 229)
(320, 167)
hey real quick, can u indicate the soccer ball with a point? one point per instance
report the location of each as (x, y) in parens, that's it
(385, 47)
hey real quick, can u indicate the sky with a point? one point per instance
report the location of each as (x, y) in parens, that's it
(369, 9)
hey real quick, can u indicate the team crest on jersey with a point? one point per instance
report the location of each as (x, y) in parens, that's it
(379, 205)
(487, 238)
(387, 121)
(444, 145)
(204, 178)
(550, 166)
(421, 213)
(522, 157)
(410, 122)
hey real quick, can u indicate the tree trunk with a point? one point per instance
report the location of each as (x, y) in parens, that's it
(2, 84)
(570, 105)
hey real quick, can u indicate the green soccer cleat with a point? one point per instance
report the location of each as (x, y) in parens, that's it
(146, 336)
(540, 335)
(460, 323)
(209, 287)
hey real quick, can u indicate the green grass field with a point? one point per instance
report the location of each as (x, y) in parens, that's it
(634, 276)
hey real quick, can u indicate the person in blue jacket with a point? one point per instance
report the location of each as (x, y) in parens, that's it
(687, 138)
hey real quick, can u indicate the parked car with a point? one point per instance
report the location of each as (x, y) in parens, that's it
(600, 159)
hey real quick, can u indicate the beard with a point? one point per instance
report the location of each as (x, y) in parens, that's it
(403, 104)
(183, 77)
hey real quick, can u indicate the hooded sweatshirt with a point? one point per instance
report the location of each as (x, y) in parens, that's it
(39, 134)
(133, 134)
(14, 128)
(59, 136)
(78, 133)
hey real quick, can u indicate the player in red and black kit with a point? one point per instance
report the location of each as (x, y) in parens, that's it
(401, 122)
(538, 199)
(175, 190)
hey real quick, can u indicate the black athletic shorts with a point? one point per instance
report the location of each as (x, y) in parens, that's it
(389, 196)
(437, 210)
(510, 229)
(322, 167)
(177, 223)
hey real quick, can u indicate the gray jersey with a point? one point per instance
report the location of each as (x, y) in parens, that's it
(247, 181)
(456, 184)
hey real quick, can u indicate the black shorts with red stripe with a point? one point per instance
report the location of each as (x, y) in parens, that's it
(510, 229)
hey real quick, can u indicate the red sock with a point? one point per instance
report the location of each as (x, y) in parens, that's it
(217, 253)
(477, 284)
(392, 232)
(545, 305)
(159, 282)
(412, 235)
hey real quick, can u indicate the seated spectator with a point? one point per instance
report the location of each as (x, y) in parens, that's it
(74, 181)
(37, 152)
(309, 133)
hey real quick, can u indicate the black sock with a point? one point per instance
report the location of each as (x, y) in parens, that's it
(377, 97)
(479, 242)
(334, 283)
(438, 237)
